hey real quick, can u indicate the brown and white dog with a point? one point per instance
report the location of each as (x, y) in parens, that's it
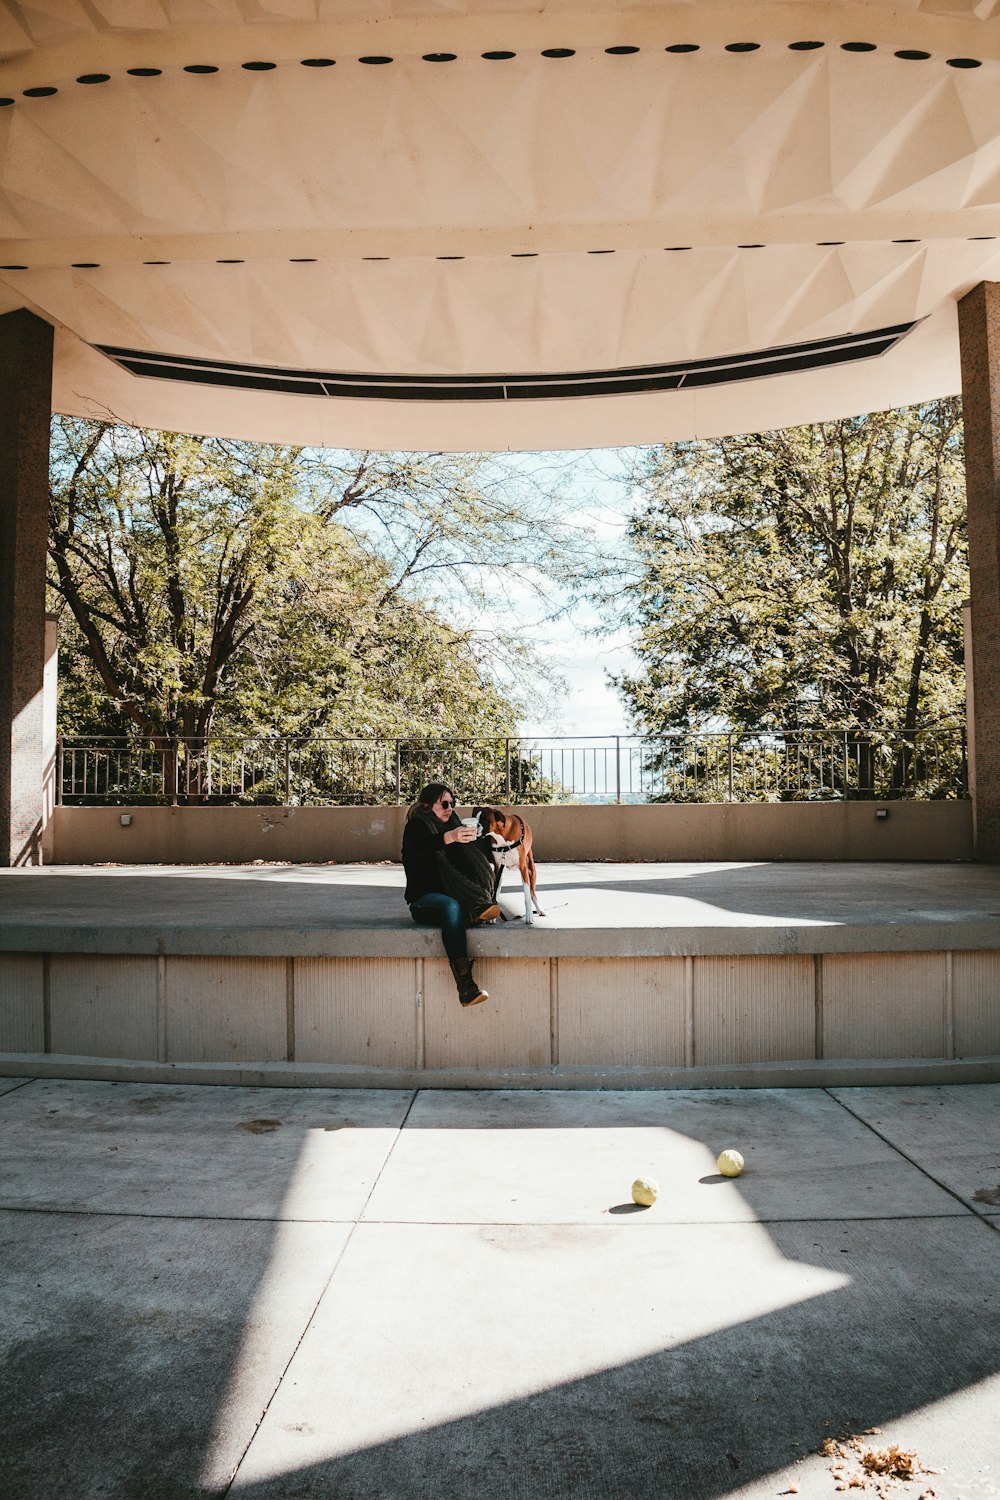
(511, 851)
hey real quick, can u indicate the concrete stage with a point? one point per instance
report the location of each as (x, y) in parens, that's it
(639, 975)
(271, 1293)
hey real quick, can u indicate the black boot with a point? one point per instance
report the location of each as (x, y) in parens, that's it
(469, 992)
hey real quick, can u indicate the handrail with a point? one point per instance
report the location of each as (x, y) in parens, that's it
(714, 765)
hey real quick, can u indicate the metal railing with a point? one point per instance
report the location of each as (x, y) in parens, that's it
(706, 766)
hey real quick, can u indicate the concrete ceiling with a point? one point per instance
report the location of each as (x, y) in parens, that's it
(305, 204)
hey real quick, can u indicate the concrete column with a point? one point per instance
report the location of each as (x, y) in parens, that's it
(25, 413)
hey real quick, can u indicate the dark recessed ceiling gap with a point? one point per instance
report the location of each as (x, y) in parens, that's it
(523, 254)
(558, 51)
(683, 47)
(963, 62)
(751, 247)
(258, 67)
(742, 46)
(906, 242)
(374, 257)
(4, 103)
(449, 257)
(156, 262)
(200, 68)
(374, 62)
(858, 47)
(318, 62)
(229, 262)
(829, 242)
(804, 46)
(498, 56)
(302, 260)
(909, 54)
(144, 72)
(600, 252)
(982, 236)
(86, 265)
(39, 93)
(620, 51)
(677, 247)
(563, 384)
(13, 268)
(440, 56)
(94, 78)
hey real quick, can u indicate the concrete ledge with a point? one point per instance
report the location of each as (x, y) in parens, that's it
(703, 831)
(581, 1022)
(516, 941)
(811, 1073)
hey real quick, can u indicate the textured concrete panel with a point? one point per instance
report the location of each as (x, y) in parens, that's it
(356, 1010)
(22, 1017)
(137, 1354)
(755, 1009)
(103, 1005)
(976, 989)
(511, 1029)
(625, 1011)
(528, 1157)
(884, 1005)
(195, 1151)
(227, 1009)
(953, 1134)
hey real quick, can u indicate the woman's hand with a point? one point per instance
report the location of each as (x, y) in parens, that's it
(461, 835)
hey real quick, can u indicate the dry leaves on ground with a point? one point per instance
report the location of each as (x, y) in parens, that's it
(878, 1468)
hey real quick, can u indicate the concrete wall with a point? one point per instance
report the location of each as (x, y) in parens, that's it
(709, 831)
(551, 1022)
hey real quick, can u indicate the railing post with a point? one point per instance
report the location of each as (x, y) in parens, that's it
(618, 768)
(730, 768)
(847, 769)
(59, 771)
(506, 774)
(288, 773)
(399, 774)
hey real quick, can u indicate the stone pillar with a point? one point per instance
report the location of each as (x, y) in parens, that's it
(25, 413)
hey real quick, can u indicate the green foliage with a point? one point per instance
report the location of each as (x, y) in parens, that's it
(812, 576)
(207, 585)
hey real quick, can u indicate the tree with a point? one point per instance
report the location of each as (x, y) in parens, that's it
(804, 577)
(208, 585)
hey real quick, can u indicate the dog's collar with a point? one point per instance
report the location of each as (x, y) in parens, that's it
(506, 848)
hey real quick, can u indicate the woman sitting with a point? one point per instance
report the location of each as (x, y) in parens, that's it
(450, 879)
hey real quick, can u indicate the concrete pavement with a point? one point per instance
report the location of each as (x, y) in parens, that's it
(274, 1293)
(600, 909)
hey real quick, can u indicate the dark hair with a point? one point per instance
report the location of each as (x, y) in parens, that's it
(430, 794)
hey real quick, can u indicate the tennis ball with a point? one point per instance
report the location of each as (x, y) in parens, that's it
(645, 1191)
(730, 1163)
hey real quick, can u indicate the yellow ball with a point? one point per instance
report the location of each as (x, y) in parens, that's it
(730, 1163)
(644, 1191)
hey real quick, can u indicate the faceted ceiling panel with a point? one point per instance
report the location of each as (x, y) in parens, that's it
(517, 215)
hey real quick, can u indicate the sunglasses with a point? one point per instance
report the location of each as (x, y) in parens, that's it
(446, 802)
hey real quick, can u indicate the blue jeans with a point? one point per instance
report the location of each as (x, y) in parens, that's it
(435, 909)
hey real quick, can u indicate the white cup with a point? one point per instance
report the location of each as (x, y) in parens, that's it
(470, 822)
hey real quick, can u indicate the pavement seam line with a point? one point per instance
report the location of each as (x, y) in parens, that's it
(982, 1218)
(24, 1081)
(322, 1293)
(119, 1213)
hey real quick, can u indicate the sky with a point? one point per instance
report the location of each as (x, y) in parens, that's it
(582, 646)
